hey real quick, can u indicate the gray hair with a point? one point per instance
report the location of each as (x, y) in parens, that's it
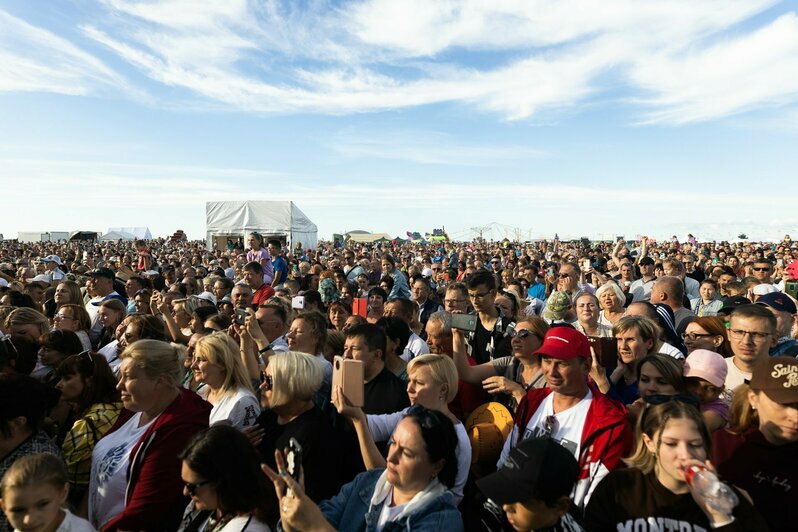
(444, 318)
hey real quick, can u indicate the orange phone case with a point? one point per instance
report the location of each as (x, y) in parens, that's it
(348, 374)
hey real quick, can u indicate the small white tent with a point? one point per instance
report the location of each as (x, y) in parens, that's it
(117, 235)
(269, 218)
(142, 233)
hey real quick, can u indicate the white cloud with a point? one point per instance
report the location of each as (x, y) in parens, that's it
(35, 59)
(515, 58)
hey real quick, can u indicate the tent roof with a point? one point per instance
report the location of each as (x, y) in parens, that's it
(266, 216)
(142, 233)
(368, 237)
(118, 235)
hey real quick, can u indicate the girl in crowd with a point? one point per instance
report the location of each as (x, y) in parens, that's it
(411, 493)
(509, 377)
(33, 495)
(707, 332)
(110, 314)
(658, 377)
(259, 253)
(308, 334)
(73, 317)
(228, 490)
(217, 364)
(758, 451)
(705, 375)
(56, 345)
(67, 293)
(135, 479)
(433, 385)
(708, 303)
(611, 298)
(670, 438)
(87, 384)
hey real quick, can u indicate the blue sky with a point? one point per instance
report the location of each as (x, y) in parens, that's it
(577, 117)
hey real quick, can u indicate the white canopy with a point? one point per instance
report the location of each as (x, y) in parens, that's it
(117, 235)
(142, 233)
(270, 218)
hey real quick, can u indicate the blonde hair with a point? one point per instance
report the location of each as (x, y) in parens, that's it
(34, 469)
(29, 316)
(442, 369)
(155, 358)
(295, 376)
(742, 416)
(218, 348)
(615, 290)
(646, 327)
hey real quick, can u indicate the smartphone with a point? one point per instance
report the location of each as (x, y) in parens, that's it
(241, 315)
(348, 374)
(606, 350)
(464, 322)
(360, 306)
(298, 302)
(791, 289)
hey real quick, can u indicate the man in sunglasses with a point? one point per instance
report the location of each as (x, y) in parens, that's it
(763, 271)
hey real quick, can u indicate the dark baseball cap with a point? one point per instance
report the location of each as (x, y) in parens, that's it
(646, 261)
(102, 272)
(536, 467)
(731, 303)
(778, 301)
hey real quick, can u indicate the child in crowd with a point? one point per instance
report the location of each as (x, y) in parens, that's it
(705, 374)
(33, 492)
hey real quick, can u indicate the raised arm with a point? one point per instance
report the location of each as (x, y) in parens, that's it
(465, 371)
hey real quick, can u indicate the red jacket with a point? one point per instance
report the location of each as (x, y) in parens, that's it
(154, 497)
(606, 437)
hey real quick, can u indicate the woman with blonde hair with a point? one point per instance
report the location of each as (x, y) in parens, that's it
(28, 323)
(432, 384)
(135, 481)
(217, 364)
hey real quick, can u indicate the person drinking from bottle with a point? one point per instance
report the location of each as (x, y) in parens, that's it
(653, 492)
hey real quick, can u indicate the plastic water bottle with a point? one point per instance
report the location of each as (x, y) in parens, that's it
(719, 496)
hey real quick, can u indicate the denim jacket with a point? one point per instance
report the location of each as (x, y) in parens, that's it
(349, 510)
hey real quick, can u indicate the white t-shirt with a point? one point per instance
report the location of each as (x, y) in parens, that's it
(388, 512)
(73, 523)
(382, 426)
(240, 409)
(734, 377)
(566, 429)
(237, 524)
(109, 351)
(415, 346)
(109, 464)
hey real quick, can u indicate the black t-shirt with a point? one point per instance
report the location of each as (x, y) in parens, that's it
(385, 394)
(628, 499)
(322, 449)
(490, 345)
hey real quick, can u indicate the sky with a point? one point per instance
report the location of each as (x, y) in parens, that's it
(527, 118)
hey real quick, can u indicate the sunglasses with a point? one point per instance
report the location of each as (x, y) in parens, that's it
(268, 382)
(761, 269)
(193, 487)
(658, 399)
(85, 358)
(523, 333)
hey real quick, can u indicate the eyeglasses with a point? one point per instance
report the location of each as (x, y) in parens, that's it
(565, 275)
(692, 336)
(478, 295)
(739, 334)
(193, 487)
(658, 399)
(59, 317)
(523, 333)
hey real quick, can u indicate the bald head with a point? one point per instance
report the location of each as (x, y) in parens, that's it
(668, 290)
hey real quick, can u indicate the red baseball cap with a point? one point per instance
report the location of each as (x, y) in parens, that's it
(564, 343)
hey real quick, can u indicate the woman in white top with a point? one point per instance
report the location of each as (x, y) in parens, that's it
(433, 384)
(217, 364)
(611, 298)
(228, 490)
(73, 317)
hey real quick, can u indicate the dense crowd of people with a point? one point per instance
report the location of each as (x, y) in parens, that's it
(557, 386)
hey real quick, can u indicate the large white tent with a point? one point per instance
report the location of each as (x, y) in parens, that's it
(270, 218)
